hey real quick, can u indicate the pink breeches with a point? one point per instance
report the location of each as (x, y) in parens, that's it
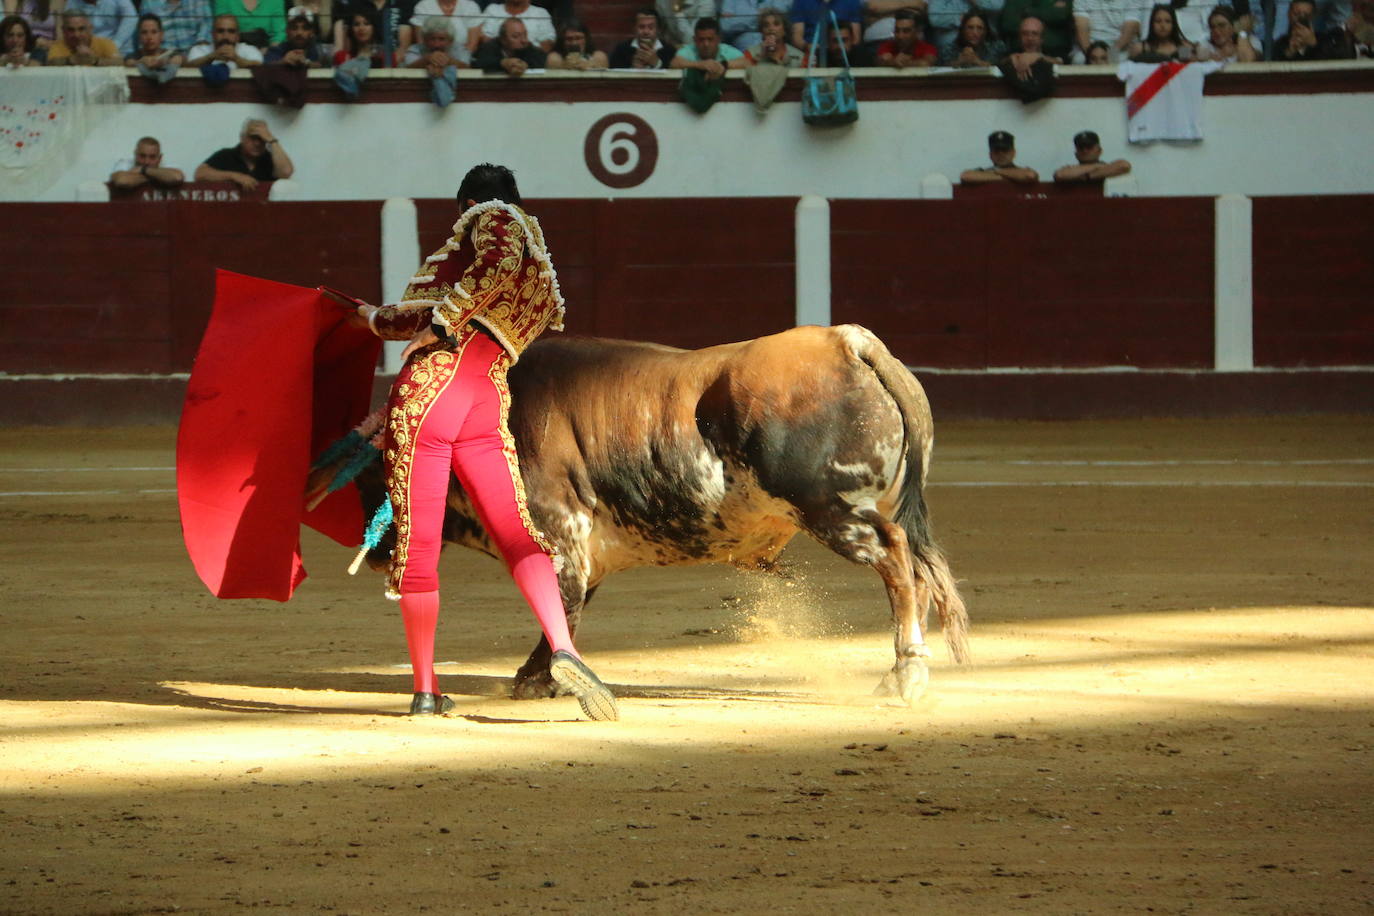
(448, 413)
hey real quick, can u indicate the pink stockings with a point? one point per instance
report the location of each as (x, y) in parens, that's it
(447, 413)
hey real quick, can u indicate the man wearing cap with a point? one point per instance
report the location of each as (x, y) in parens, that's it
(1087, 148)
(1002, 152)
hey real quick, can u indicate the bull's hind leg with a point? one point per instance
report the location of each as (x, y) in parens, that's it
(869, 538)
(533, 681)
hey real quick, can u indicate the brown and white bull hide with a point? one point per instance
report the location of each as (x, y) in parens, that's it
(636, 454)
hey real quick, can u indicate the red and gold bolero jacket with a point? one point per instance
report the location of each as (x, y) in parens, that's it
(498, 275)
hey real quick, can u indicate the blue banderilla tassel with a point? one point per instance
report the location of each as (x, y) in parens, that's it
(340, 447)
(359, 453)
(381, 520)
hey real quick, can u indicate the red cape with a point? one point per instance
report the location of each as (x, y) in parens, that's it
(278, 377)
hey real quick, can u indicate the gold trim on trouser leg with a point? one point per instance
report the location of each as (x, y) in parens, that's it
(497, 374)
(430, 373)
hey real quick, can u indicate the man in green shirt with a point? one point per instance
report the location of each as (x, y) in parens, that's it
(268, 15)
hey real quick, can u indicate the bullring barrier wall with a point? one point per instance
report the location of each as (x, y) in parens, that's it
(963, 286)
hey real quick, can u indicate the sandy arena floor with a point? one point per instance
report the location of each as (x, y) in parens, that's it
(1171, 706)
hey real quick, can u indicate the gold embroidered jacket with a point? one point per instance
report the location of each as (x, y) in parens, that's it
(498, 275)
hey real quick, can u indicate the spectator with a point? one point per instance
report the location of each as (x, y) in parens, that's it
(1163, 39)
(224, 54)
(258, 157)
(1301, 42)
(1056, 26)
(112, 19)
(361, 52)
(362, 41)
(282, 78)
(79, 47)
(645, 51)
(438, 47)
(185, 23)
(145, 168)
(974, 46)
(773, 46)
(510, 51)
(1032, 53)
(1087, 149)
(536, 20)
(739, 22)
(464, 15)
(1002, 152)
(392, 18)
(153, 59)
(440, 55)
(769, 60)
(880, 18)
(857, 54)
(1030, 72)
(1099, 52)
(704, 64)
(907, 47)
(20, 44)
(1224, 42)
(945, 20)
(41, 16)
(574, 49)
(301, 49)
(263, 24)
(1113, 22)
(321, 14)
(809, 15)
(706, 53)
(1355, 39)
(679, 18)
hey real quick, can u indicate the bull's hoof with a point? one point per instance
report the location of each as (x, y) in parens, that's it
(534, 685)
(907, 681)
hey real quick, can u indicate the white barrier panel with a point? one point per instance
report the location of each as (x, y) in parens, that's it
(1234, 300)
(400, 259)
(813, 260)
(937, 187)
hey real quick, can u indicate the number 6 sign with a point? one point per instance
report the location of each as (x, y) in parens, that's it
(621, 150)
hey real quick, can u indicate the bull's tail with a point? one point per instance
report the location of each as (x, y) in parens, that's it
(929, 561)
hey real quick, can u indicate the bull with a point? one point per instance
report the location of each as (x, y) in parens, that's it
(637, 454)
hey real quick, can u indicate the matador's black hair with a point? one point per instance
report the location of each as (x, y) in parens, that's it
(488, 182)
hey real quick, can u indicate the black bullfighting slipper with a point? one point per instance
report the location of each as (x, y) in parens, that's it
(430, 704)
(596, 698)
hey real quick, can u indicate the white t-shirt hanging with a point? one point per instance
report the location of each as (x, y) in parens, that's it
(1164, 101)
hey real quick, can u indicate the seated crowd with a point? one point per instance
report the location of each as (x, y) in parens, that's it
(514, 36)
